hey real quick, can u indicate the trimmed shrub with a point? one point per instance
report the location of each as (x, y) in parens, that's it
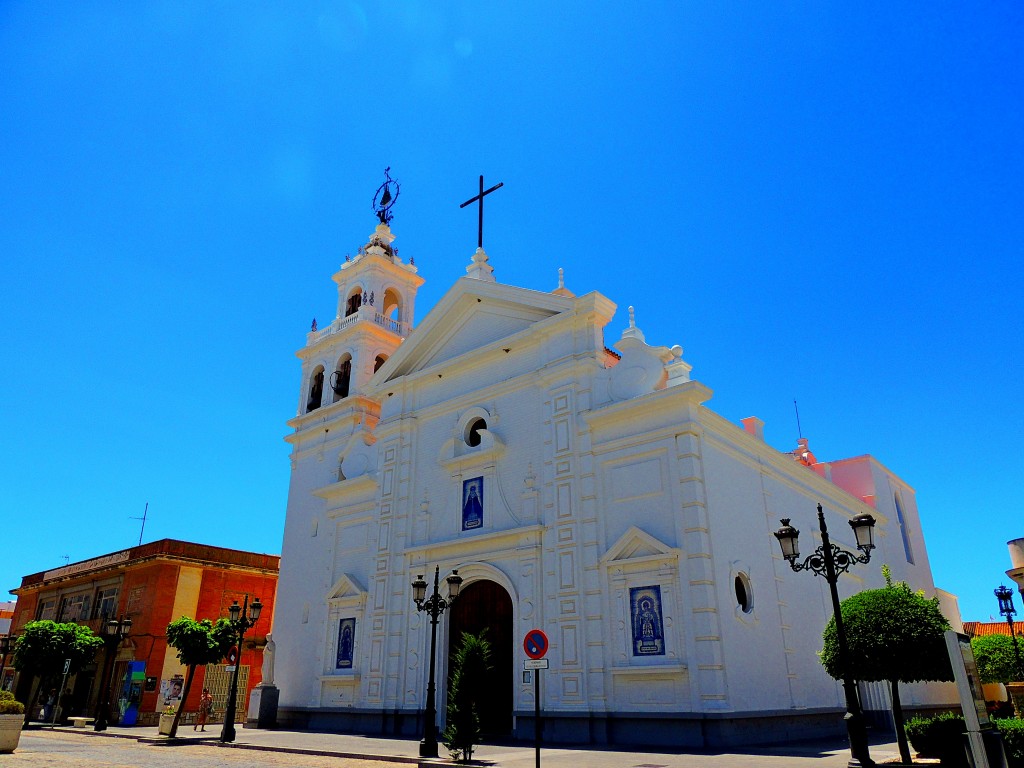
(465, 691)
(1012, 730)
(941, 737)
(995, 658)
(8, 706)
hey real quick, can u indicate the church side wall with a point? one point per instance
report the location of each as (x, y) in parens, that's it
(301, 586)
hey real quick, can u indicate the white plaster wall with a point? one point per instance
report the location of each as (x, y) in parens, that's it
(302, 584)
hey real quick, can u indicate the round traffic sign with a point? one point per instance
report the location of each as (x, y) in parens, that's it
(535, 644)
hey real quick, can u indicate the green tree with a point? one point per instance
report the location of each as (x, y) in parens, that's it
(471, 663)
(996, 661)
(43, 647)
(893, 634)
(197, 643)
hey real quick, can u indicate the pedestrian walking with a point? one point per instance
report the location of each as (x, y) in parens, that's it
(205, 710)
(49, 704)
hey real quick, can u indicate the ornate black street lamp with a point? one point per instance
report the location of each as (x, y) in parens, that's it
(241, 620)
(6, 646)
(114, 632)
(830, 561)
(434, 606)
(1005, 597)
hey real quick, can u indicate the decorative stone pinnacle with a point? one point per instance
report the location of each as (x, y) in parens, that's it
(478, 267)
(632, 332)
(561, 290)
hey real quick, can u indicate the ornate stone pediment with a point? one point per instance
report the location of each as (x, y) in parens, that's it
(347, 590)
(635, 544)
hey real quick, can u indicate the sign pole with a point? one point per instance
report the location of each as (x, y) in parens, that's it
(536, 646)
(60, 694)
(536, 714)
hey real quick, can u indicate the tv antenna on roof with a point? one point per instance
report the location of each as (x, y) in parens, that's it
(143, 519)
(799, 432)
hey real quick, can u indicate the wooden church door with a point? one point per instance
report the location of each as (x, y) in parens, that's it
(486, 605)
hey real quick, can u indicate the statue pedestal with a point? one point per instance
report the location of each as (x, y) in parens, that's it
(262, 712)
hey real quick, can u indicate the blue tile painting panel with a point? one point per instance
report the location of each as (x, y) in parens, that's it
(346, 642)
(645, 612)
(472, 503)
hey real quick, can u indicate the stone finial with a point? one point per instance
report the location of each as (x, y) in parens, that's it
(632, 332)
(479, 269)
(561, 290)
(678, 370)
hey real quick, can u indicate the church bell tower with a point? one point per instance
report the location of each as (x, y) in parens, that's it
(376, 298)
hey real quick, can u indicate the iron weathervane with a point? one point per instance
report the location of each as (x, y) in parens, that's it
(384, 199)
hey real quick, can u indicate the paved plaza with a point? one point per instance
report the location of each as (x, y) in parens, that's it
(130, 747)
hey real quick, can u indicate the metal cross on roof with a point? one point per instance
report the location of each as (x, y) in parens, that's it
(479, 198)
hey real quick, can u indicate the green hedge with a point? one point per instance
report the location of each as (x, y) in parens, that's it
(942, 737)
(1012, 730)
(8, 706)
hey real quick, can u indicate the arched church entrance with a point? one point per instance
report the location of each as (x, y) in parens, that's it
(486, 605)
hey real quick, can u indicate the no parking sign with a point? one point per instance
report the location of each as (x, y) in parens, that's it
(535, 644)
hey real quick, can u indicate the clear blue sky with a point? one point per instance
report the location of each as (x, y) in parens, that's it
(820, 202)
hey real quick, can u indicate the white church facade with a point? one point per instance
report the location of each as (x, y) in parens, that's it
(584, 490)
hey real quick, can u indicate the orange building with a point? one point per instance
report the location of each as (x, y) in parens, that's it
(153, 584)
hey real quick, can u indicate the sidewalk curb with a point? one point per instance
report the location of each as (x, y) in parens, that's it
(422, 761)
(214, 741)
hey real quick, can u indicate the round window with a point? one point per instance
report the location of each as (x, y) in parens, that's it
(744, 595)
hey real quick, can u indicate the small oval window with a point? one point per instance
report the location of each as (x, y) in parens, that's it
(744, 596)
(473, 432)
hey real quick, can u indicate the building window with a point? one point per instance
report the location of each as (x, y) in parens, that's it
(744, 594)
(74, 608)
(47, 610)
(379, 361)
(106, 603)
(472, 435)
(903, 530)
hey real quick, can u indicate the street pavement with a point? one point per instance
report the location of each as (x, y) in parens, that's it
(129, 747)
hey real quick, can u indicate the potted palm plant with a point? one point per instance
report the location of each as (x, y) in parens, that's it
(12, 714)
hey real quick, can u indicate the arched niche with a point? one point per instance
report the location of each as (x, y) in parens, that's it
(392, 305)
(341, 379)
(354, 300)
(316, 389)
